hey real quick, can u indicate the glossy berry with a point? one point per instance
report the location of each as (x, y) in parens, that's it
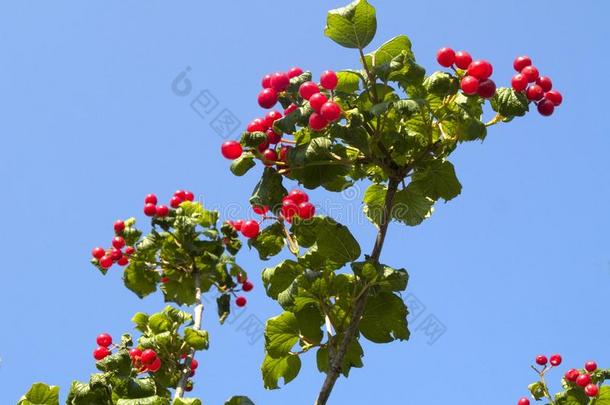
(445, 57)
(541, 360)
(104, 339)
(534, 92)
(175, 201)
(481, 69)
(271, 117)
(263, 146)
(267, 98)
(231, 150)
(250, 229)
(294, 72)
(583, 380)
(154, 366)
(257, 125)
(592, 390)
(105, 262)
(273, 137)
(135, 353)
(148, 356)
(487, 88)
(280, 81)
(554, 97)
(241, 301)
(330, 111)
(521, 62)
(308, 89)
(189, 196)
(123, 261)
(238, 224)
(523, 401)
(297, 196)
(100, 353)
(317, 101)
(469, 85)
(150, 199)
(546, 107)
(194, 364)
(291, 108)
(306, 210)
(119, 226)
(164, 280)
(247, 286)
(115, 254)
(590, 366)
(545, 82)
(284, 153)
(519, 82)
(289, 209)
(463, 59)
(317, 122)
(150, 209)
(162, 211)
(329, 80)
(531, 72)
(266, 81)
(98, 252)
(118, 242)
(555, 360)
(271, 156)
(571, 375)
(129, 250)
(260, 210)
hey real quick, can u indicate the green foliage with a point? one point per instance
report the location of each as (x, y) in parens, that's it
(352, 26)
(40, 394)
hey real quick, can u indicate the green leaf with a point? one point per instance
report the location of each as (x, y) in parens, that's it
(279, 278)
(197, 339)
(315, 164)
(437, 180)
(352, 26)
(384, 318)
(187, 401)
(139, 279)
(134, 387)
(242, 164)
(603, 398)
(353, 358)
(374, 199)
(574, 396)
(269, 242)
(281, 334)
(154, 400)
(411, 207)
(389, 50)
(309, 321)
(269, 190)
(118, 363)
(393, 279)
(509, 103)
(239, 400)
(141, 321)
(441, 84)
(253, 139)
(349, 82)
(336, 243)
(287, 367)
(84, 394)
(224, 307)
(40, 394)
(159, 322)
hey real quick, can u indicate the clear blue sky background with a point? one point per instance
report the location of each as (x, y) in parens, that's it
(518, 264)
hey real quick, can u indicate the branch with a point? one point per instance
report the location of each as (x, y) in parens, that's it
(337, 362)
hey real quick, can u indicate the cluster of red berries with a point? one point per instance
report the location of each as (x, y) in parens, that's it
(145, 360)
(246, 286)
(104, 341)
(477, 79)
(116, 254)
(537, 88)
(296, 203)
(151, 209)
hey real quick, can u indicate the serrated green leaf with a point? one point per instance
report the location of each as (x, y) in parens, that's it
(187, 401)
(269, 190)
(239, 400)
(82, 394)
(389, 50)
(603, 398)
(309, 320)
(224, 307)
(281, 334)
(287, 367)
(139, 279)
(269, 242)
(279, 278)
(384, 318)
(348, 82)
(411, 206)
(575, 396)
(374, 199)
(437, 180)
(509, 103)
(441, 84)
(153, 400)
(40, 394)
(353, 358)
(242, 164)
(352, 26)
(253, 139)
(197, 339)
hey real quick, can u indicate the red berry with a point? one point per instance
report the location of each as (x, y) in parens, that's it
(308, 89)
(266, 82)
(189, 196)
(519, 82)
(523, 401)
(180, 194)
(572, 374)
(521, 62)
(463, 59)
(330, 111)
(544, 82)
(546, 107)
(469, 85)
(194, 364)
(118, 242)
(175, 201)
(317, 122)
(104, 339)
(531, 73)
(123, 261)
(534, 92)
(284, 153)
(329, 80)
(231, 150)
(115, 254)
(273, 137)
(155, 365)
(106, 262)
(317, 101)
(271, 117)
(289, 209)
(280, 81)
(271, 156)
(250, 229)
(487, 88)
(306, 210)
(257, 125)
(247, 286)
(294, 72)
(291, 108)
(263, 146)
(267, 98)
(583, 380)
(260, 210)
(590, 366)
(162, 211)
(592, 390)
(445, 57)
(148, 356)
(297, 196)
(238, 224)
(150, 209)
(150, 199)
(554, 97)
(555, 360)
(98, 252)
(541, 360)
(129, 250)
(100, 353)
(135, 353)
(480, 69)
(119, 226)
(241, 301)
(164, 279)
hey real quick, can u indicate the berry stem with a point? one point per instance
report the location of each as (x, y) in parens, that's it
(373, 88)
(498, 118)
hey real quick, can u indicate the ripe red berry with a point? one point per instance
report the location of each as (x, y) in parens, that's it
(330, 111)
(519, 82)
(194, 364)
(487, 88)
(469, 85)
(554, 97)
(119, 226)
(280, 81)
(267, 98)
(150, 199)
(115, 254)
(106, 262)
(544, 82)
(100, 353)
(521, 62)
(445, 57)
(480, 69)
(555, 360)
(266, 81)
(541, 360)
(238, 224)
(546, 107)
(135, 353)
(175, 201)
(155, 365)
(271, 117)
(531, 72)
(463, 59)
(256, 125)
(572, 374)
(247, 286)
(241, 301)
(189, 196)
(150, 209)
(273, 137)
(123, 261)
(271, 156)
(164, 279)
(317, 101)
(260, 210)
(329, 80)
(294, 72)
(231, 150)
(289, 209)
(104, 339)
(534, 92)
(317, 122)
(297, 196)
(308, 89)
(523, 401)
(118, 242)
(590, 366)
(306, 210)
(583, 380)
(180, 194)
(592, 390)
(98, 252)
(284, 153)
(291, 108)
(148, 356)
(263, 146)
(250, 229)
(162, 211)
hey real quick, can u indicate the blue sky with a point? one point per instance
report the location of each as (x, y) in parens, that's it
(518, 264)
